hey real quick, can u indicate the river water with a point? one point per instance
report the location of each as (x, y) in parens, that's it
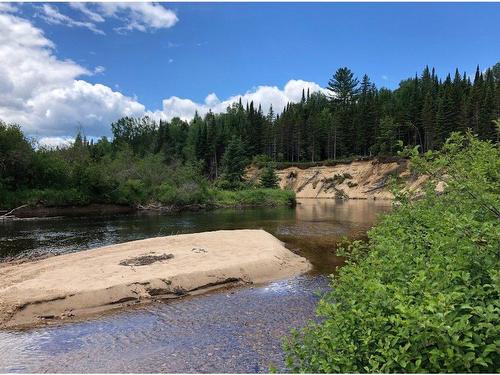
(237, 330)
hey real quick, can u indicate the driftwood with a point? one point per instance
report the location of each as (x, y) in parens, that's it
(382, 183)
(314, 176)
(375, 188)
(9, 215)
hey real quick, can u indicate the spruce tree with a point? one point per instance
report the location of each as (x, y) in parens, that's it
(234, 161)
(269, 178)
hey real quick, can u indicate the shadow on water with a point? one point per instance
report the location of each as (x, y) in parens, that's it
(232, 331)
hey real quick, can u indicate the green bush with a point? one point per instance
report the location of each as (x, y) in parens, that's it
(422, 294)
(132, 191)
(252, 197)
(166, 193)
(47, 197)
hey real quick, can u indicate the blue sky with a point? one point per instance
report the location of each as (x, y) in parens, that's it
(230, 49)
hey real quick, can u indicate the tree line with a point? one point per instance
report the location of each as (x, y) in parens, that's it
(354, 119)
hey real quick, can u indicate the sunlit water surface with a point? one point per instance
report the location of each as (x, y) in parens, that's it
(236, 330)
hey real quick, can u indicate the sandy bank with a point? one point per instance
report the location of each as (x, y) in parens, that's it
(362, 179)
(89, 282)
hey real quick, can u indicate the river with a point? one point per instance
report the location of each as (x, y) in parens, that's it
(236, 330)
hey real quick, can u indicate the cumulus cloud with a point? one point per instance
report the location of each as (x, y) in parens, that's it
(44, 94)
(266, 96)
(53, 142)
(48, 97)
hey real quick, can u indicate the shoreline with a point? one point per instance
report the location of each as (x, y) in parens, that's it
(95, 209)
(82, 284)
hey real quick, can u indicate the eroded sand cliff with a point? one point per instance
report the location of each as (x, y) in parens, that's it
(356, 180)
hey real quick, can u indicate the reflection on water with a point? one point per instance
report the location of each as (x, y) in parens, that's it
(311, 229)
(231, 331)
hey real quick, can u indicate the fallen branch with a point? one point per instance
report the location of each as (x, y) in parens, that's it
(8, 214)
(376, 188)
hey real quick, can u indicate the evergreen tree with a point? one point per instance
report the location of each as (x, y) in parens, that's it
(234, 161)
(269, 178)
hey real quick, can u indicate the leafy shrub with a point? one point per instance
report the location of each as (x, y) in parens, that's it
(422, 295)
(132, 191)
(166, 193)
(47, 197)
(252, 197)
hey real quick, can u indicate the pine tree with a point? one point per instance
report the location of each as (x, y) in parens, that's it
(343, 88)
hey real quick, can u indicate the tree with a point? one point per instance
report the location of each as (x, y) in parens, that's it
(387, 136)
(269, 178)
(366, 119)
(234, 161)
(343, 87)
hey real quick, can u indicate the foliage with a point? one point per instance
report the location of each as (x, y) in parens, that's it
(122, 172)
(422, 294)
(234, 162)
(269, 178)
(142, 161)
(252, 197)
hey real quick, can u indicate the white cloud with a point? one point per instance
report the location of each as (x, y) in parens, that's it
(7, 8)
(134, 16)
(84, 8)
(44, 94)
(212, 100)
(48, 97)
(173, 45)
(263, 95)
(142, 16)
(99, 69)
(170, 61)
(52, 15)
(53, 142)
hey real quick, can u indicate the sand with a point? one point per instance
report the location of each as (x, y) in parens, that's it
(367, 179)
(363, 179)
(90, 282)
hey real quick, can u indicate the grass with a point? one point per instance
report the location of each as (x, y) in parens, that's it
(252, 197)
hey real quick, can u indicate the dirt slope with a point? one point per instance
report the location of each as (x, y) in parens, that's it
(356, 180)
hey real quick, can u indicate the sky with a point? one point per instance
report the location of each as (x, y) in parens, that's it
(70, 66)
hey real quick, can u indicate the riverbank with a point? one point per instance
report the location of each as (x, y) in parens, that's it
(88, 282)
(421, 294)
(215, 198)
(358, 179)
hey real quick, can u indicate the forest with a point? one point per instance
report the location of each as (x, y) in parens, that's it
(356, 119)
(203, 160)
